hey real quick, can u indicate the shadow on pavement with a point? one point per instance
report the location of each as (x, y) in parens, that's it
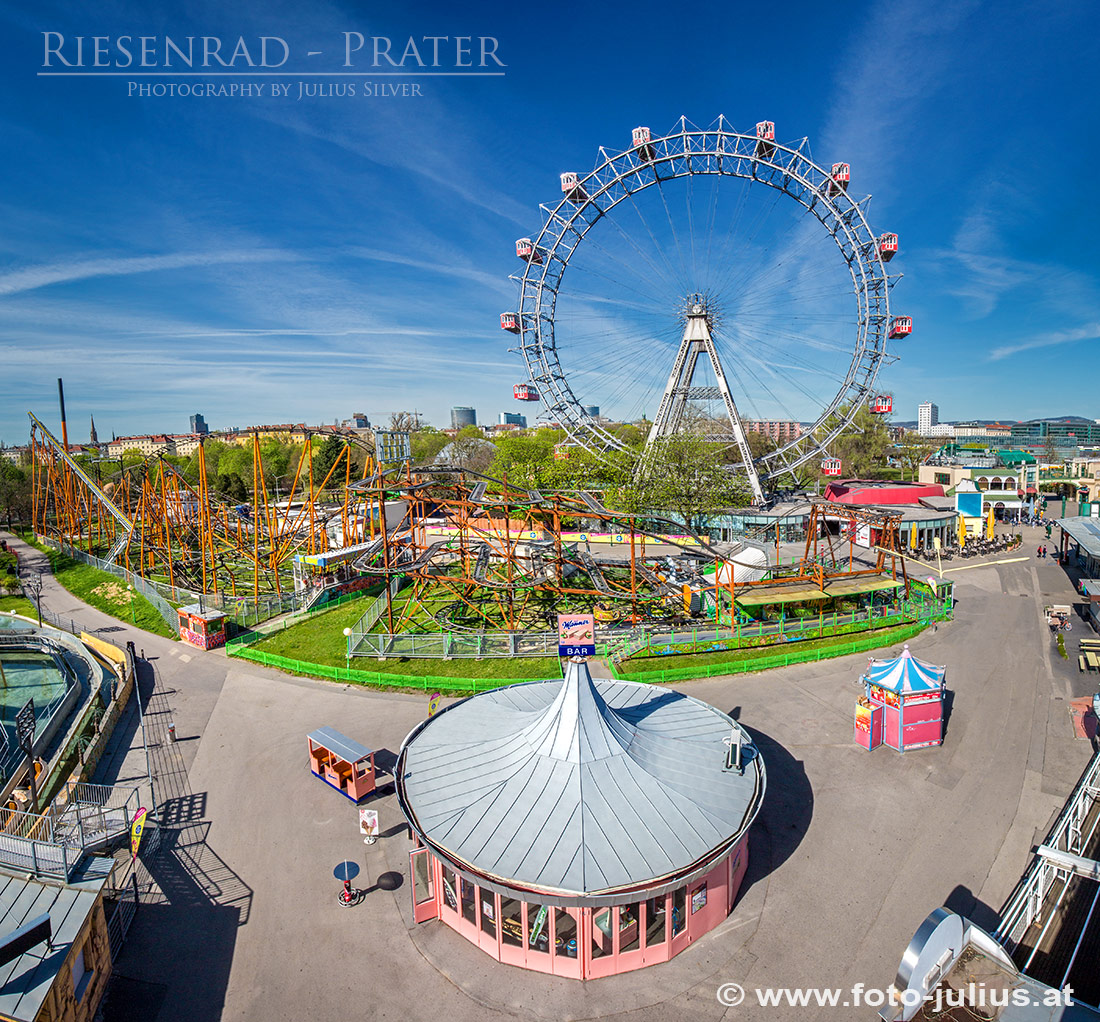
(785, 814)
(963, 901)
(185, 932)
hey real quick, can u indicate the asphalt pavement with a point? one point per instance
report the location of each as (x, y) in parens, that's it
(850, 853)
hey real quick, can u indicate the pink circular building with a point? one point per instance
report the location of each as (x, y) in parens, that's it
(578, 827)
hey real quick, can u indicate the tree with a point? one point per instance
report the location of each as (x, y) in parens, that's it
(426, 444)
(682, 475)
(863, 444)
(325, 457)
(470, 450)
(15, 493)
(912, 451)
(404, 422)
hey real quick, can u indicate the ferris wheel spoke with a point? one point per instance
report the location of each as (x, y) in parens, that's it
(682, 279)
(761, 385)
(659, 277)
(661, 250)
(749, 276)
(731, 266)
(688, 195)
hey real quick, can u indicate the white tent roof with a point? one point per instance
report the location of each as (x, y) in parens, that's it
(577, 787)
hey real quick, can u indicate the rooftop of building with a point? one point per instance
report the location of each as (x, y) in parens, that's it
(26, 980)
(578, 788)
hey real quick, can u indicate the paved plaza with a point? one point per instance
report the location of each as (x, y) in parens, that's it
(851, 850)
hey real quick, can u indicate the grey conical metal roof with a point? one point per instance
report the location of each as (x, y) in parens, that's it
(578, 786)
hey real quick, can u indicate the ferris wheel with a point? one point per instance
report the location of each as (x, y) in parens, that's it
(697, 294)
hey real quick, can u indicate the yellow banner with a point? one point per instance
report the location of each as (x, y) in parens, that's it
(136, 829)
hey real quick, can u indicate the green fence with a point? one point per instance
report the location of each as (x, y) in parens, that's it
(763, 663)
(425, 682)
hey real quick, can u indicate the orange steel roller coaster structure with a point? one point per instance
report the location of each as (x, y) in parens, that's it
(488, 546)
(158, 525)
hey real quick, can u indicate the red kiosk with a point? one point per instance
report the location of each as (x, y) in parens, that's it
(202, 628)
(903, 704)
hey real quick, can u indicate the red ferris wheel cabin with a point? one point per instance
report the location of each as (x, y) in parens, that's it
(765, 137)
(525, 392)
(888, 247)
(526, 251)
(509, 321)
(902, 326)
(641, 139)
(839, 178)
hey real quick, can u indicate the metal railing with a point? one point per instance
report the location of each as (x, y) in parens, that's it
(762, 658)
(11, 756)
(1072, 832)
(243, 609)
(53, 842)
(444, 645)
(373, 614)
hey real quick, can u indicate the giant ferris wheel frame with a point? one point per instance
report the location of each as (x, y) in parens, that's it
(690, 150)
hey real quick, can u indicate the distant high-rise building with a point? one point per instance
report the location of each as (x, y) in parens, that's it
(513, 419)
(591, 410)
(928, 415)
(360, 421)
(463, 417)
(198, 424)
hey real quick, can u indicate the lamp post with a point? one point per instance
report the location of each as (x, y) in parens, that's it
(33, 585)
(130, 590)
(347, 649)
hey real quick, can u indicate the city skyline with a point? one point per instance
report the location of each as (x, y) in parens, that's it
(275, 262)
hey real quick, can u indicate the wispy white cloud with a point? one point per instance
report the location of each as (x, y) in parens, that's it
(448, 269)
(31, 278)
(1088, 332)
(419, 153)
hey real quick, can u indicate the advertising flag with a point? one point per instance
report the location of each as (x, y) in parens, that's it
(433, 703)
(136, 829)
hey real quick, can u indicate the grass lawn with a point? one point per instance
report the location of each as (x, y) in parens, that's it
(317, 640)
(19, 605)
(320, 640)
(107, 593)
(673, 662)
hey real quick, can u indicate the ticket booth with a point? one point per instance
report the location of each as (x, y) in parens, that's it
(202, 628)
(902, 706)
(342, 763)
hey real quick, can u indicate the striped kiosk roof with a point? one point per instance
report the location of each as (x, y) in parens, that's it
(906, 674)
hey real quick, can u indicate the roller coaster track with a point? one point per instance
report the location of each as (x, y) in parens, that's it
(595, 573)
(127, 525)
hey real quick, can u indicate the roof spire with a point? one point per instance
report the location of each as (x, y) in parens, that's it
(579, 726)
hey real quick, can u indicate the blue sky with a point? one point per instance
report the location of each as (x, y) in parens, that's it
(274, 260)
